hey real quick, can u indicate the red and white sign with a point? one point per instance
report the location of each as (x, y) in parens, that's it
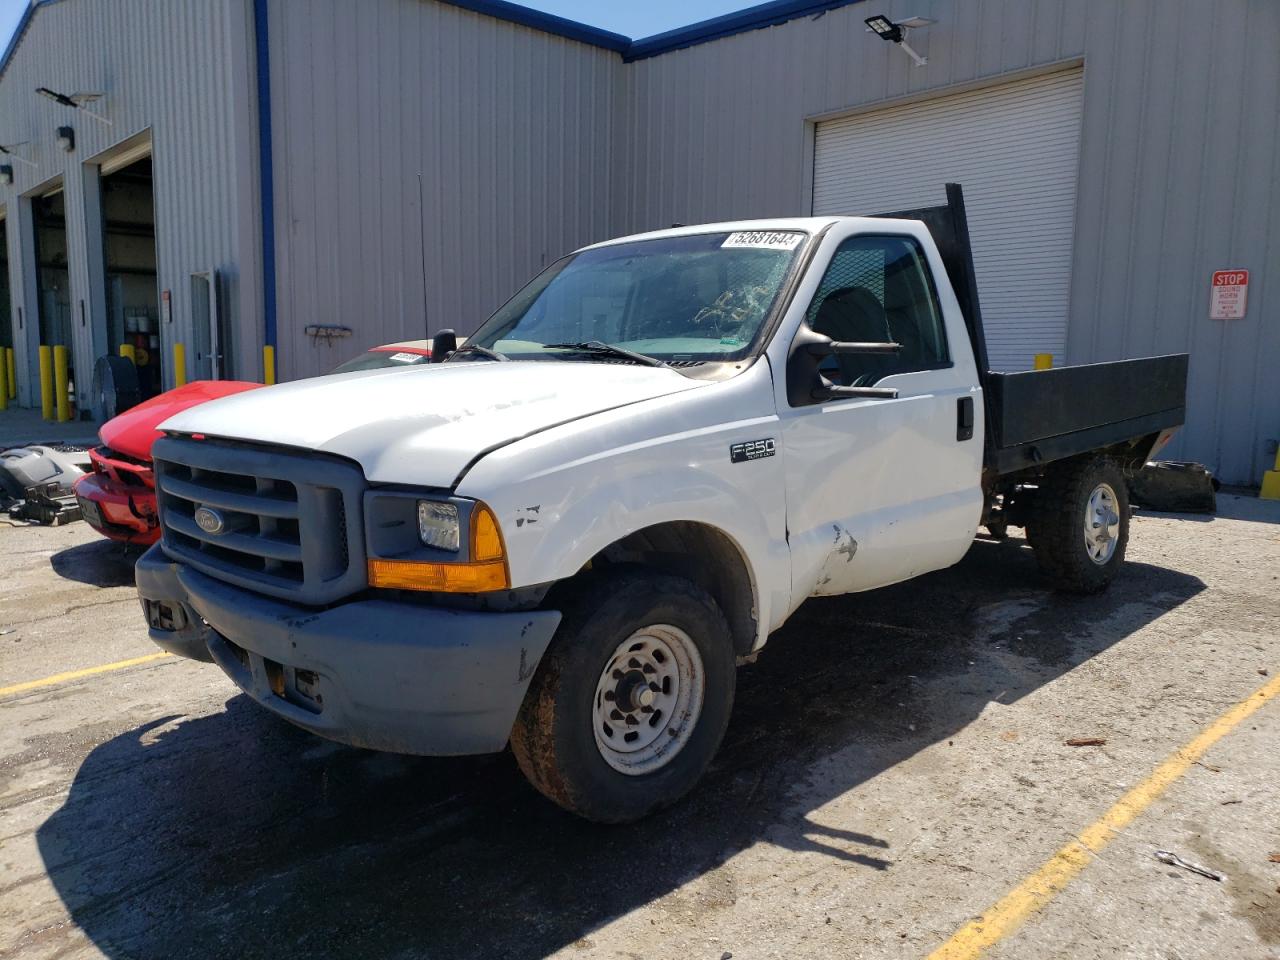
(1229, 294)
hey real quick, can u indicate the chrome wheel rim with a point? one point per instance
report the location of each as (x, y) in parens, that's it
(648, 700)
(1102, 524)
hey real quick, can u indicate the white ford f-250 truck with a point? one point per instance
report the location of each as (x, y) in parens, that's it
(567, 534)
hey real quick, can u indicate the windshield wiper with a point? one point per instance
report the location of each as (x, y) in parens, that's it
(481, 351)
(607, 349)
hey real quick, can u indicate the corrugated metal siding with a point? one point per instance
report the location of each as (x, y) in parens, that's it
(1179, 163)
(719, 130)
(1180, 176)
(1015, 148)
(407, 131)
(168, 67)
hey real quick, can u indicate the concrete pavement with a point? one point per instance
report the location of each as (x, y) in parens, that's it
(896, 764)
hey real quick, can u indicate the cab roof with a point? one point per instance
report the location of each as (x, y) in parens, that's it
(809, 225)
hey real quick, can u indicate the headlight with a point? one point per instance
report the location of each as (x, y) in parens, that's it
(398, 562)
(438, 525)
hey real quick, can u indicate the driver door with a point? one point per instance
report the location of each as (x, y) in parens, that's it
(881, 490)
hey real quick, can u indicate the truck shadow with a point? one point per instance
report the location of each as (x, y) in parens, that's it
(1231, 506)
(234, 834)
(101, 563)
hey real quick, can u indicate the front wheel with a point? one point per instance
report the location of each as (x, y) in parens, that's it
(632, 699)
(1080, 526)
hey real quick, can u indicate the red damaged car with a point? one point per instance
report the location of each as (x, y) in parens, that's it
(118, 499)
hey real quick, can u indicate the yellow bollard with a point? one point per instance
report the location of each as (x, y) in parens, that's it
(1044, 361)
(268, 365)
(127, 351)
(61, 397)
(179, 365)
(1271, 482)
(46, 382)
(9, 375)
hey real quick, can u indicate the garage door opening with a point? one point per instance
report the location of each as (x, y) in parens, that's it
(1015, 149)
(129, 256)
(6, 301)
(53, 282)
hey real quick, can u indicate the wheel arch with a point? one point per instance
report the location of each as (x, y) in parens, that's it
(702, 553)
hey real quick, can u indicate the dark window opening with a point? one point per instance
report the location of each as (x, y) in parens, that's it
(129, 254)
(879, 290)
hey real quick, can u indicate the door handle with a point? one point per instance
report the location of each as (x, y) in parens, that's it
(964, 418)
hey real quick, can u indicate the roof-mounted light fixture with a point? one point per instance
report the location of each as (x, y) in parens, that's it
(76, 101)
(896, 32)
(6, 151)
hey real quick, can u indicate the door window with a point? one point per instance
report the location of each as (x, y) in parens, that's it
(878, 289)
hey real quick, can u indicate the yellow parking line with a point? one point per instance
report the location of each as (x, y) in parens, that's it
(79, 674)
(1035, 892)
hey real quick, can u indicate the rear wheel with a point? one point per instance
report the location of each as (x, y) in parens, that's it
(631, 701)
(1080, 524)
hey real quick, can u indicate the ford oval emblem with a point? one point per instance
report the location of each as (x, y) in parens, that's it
(210, 520)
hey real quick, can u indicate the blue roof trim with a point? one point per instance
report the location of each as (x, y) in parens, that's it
(546, 22)
(753, 18)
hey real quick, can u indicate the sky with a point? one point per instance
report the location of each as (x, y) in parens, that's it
(637, 18)
(631, 18)
(10, 14)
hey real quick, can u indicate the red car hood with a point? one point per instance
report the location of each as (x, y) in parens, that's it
(134, 431)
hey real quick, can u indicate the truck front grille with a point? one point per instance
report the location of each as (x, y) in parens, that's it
(275, 521)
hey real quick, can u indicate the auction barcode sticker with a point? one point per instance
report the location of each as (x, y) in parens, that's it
(767, 239)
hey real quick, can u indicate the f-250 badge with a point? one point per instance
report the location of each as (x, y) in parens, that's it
(752, 450)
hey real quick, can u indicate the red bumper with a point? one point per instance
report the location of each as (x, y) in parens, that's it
(119, 498)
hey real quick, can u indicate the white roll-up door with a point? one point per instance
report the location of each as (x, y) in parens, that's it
(1014, 148)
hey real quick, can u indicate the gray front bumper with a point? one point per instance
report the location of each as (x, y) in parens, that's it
(389, 675)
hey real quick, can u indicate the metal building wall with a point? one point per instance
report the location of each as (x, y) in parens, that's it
(1179, 164)
(1180, 176)
(181, 70)
(428, 161)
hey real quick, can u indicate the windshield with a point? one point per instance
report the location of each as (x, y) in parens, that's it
(699, 297)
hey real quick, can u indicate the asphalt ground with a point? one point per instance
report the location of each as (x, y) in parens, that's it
(895, 783)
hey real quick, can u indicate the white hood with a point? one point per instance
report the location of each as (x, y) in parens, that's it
(424, 425)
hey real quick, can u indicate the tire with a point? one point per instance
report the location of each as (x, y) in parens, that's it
(115, 387)
(565, 738)
(1074, 549)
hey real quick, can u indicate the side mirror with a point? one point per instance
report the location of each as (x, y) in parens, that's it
(805, 383)
(443, 344)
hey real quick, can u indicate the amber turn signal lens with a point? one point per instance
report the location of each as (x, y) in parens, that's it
(486, 541)
(439, 577)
